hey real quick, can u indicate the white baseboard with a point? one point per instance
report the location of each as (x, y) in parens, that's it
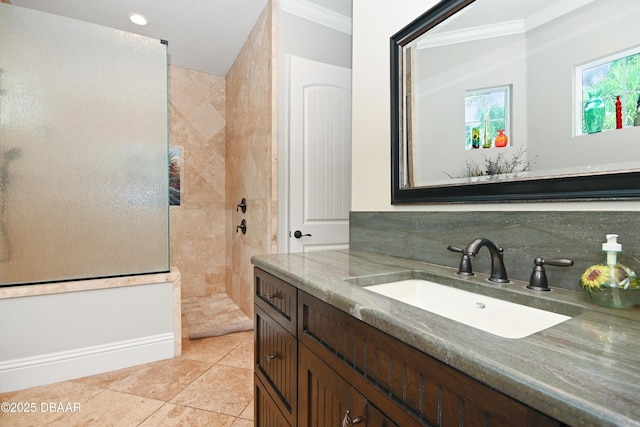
(18, 374)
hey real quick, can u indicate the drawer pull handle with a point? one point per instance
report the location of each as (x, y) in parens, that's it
(268, 297)
(347, 421)
(269, 358)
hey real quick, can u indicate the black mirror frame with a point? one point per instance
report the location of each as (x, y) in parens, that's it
(609, 186)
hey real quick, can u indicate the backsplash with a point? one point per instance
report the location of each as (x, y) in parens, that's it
(525, 235)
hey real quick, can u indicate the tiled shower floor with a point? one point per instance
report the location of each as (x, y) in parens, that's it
(210, 384)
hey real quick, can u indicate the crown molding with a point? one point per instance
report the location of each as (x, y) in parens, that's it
(312, 12)
(501, 29)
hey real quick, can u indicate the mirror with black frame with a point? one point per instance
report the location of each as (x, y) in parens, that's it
(496, 100)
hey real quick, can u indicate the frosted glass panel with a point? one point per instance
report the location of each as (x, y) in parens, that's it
(83, 150)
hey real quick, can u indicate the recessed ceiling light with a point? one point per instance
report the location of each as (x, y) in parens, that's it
(138, 19)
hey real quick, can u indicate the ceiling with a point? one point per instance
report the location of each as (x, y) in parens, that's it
(203, 35)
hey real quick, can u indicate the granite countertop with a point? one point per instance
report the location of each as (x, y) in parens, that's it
(584, 371)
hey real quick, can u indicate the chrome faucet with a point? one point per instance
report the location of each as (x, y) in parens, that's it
(498, 272)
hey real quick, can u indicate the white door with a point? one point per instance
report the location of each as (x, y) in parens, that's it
(319, 155)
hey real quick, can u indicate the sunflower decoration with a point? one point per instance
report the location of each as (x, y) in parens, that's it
(595, 277)
(600, 275)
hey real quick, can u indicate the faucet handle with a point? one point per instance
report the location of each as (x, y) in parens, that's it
(538, 281)
(455, 249)
(465, 268)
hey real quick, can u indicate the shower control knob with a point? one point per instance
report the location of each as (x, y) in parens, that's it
(298, 234)
(242, 206)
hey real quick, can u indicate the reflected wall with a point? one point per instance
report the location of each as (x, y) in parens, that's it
(538, 58)
(83, 150)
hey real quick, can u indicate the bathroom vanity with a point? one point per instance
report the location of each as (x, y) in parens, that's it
(330, 352)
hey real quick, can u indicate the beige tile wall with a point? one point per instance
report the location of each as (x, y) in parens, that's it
(226, 129)
(198, 225)
(251, 156)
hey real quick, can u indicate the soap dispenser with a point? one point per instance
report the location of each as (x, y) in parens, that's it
(611, 284)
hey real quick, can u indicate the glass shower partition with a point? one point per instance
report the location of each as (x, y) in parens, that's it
(83, 150)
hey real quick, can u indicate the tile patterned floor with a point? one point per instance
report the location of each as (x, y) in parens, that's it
(211, 384)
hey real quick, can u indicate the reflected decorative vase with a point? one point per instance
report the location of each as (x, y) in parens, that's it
(487, 142)
(475, 138)
(594, 114)
(501, 140)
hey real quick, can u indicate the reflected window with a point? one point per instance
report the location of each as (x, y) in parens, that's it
(598, 86)
(486, 112)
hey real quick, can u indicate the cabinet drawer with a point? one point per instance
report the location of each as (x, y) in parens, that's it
(276, 357)
(326, 398)
(266, 412)
(277, 298)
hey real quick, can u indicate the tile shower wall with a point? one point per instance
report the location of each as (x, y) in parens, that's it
(197, 127)
(251, 157)
(524, 235)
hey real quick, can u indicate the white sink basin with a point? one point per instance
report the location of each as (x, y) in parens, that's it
(498, 317)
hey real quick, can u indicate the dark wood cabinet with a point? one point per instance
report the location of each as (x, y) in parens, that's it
(409, 386)
(275, 351)
(343, 364)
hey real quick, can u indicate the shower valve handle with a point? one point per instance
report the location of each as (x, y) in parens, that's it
(242, 206)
